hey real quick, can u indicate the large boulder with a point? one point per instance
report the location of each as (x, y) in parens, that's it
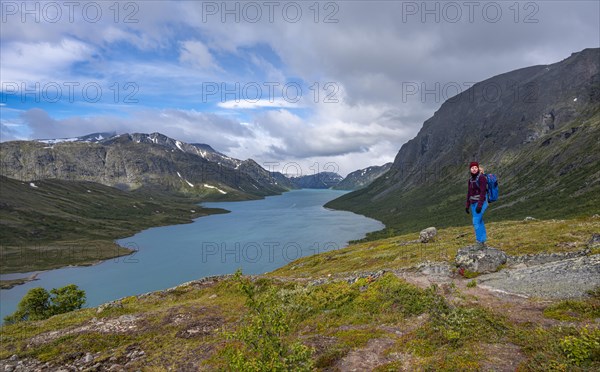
(480, 260)
(427, 235)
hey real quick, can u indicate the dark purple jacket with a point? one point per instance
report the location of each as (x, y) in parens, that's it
(476, 188)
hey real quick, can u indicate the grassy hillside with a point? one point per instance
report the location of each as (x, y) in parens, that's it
(513, 237)
(373, 322)
(541, 180)
(52, 223)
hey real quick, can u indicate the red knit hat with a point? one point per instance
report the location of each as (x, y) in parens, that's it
(474, 164)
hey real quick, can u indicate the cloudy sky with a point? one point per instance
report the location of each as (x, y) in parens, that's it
(329, 85)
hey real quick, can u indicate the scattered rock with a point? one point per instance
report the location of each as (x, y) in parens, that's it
(427, 235)
(484, 260)
(212, 296)
(542, 258)
(435, 269)
(27, 364)
(88, 358)
(123, 324)
(200, 328)
(596, 216)
(78, 361)
(528, 218)
(113, 304)
(594, 240)
(370, 276)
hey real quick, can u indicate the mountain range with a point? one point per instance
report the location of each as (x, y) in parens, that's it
(536, 128)
(156, 162)
(138, 160)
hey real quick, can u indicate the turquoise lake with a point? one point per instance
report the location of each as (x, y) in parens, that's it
(257, 236)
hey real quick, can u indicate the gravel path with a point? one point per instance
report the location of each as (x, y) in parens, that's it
(561, 279)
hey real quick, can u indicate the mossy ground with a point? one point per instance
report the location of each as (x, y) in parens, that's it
(423, 327)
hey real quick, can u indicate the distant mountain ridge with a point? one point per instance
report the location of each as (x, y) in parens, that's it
(540, 134)
(321, 180)
(362, 177)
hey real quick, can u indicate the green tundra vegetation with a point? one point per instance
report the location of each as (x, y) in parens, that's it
(305, 316)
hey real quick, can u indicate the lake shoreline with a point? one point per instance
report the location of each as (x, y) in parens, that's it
(257, 236)
(6, 284)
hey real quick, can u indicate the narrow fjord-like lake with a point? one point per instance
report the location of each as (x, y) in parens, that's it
(257, 236)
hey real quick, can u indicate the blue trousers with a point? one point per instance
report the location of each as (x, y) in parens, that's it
(478, 224)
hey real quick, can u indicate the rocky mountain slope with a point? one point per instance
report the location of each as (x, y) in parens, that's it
(132, 161)
(362, 178)
(537, 128)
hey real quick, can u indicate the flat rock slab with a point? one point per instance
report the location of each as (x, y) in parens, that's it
(570, 278)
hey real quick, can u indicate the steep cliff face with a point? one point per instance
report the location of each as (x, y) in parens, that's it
(538, 128)
(131, 161)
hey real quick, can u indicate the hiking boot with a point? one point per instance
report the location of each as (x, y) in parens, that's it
(480, 246)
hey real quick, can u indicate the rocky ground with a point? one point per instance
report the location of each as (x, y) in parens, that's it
(569, 278)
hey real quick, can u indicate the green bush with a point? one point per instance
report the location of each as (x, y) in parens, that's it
(457, 325)
(38, 304)
(65, 299)
(260, 343)
(583, 347)
(390, 294)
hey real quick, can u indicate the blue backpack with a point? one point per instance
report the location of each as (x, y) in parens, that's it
(492, 187)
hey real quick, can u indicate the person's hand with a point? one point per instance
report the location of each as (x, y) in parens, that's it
(478, 209)
(467, 210)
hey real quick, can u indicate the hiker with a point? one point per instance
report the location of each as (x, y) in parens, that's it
(477, 202)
